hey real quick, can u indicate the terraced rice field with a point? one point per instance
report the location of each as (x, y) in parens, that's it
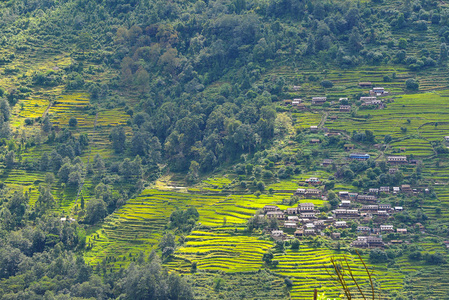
(418, 108)
(215, 250)
(140, 223)
(306, 267)
(412, 146)
(306, 119)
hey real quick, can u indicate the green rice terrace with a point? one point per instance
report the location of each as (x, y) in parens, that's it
(224, 149)
(221, 243)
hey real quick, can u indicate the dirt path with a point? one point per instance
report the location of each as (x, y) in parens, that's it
(323, 119)
(47, 110)
(80, 189)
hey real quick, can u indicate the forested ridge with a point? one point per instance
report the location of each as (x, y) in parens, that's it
(102, 99)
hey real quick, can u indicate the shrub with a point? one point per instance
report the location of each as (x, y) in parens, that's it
(327, 84)
(73, 122)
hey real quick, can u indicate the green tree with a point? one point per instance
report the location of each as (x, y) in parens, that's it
(402, 43)
(167, 244)
(118, 138)
(95, 211)
(73, 122)
(142, 80)
(412, 84)
(443, 52)
(84, 41)
(193, 174)
(295, 244)
(9, 159)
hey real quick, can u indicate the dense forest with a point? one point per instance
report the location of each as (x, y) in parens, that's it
(195, 88)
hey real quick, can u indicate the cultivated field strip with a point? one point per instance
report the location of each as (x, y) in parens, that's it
(138, 225)
(306, 267)
(418, 108)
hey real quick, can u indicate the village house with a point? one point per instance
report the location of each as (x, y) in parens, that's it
(397, 159)
(386, 228)
(345, 203)
(381, 214)
(332, 134)
(366, 198)
(299, 233)
(405, 188)
(293, 219)
(349, 147)
(446, 243)
(385, 206)
(345, 108)
(370, 100)
(374, 241)
(365, 84)
(313, 128)
(318, 100)
(315, 193)
(398, 208)
(296, 102)
(335, 235)
(292, 211)
(268, 208)
(314, 141)
(384, 189)
(310, 232)
(287, 102)
(309, 226)
(364, 229)
(306, 207)
(343, 195)
(359, 156)
(373, 191)
(300, 192)
(343, 99)
(296, 88)
(376, 230)
(70, 220)
(341, 224)
(393, 170)
(378, 91)
(446, 138)
(346, 213)
(313, 180)
(308, 215)
(402, 230)
(370, 208)
(275, 215)
(396, 190)
(396, 242)
(360, 244)
(278, 234)
(327, 162)
(353, 196)
(290, 224)
(333, 117)
(319, 224)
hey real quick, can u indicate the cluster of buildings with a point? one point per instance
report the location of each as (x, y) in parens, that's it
(372, 237)
(393, 160)
(301, 218)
